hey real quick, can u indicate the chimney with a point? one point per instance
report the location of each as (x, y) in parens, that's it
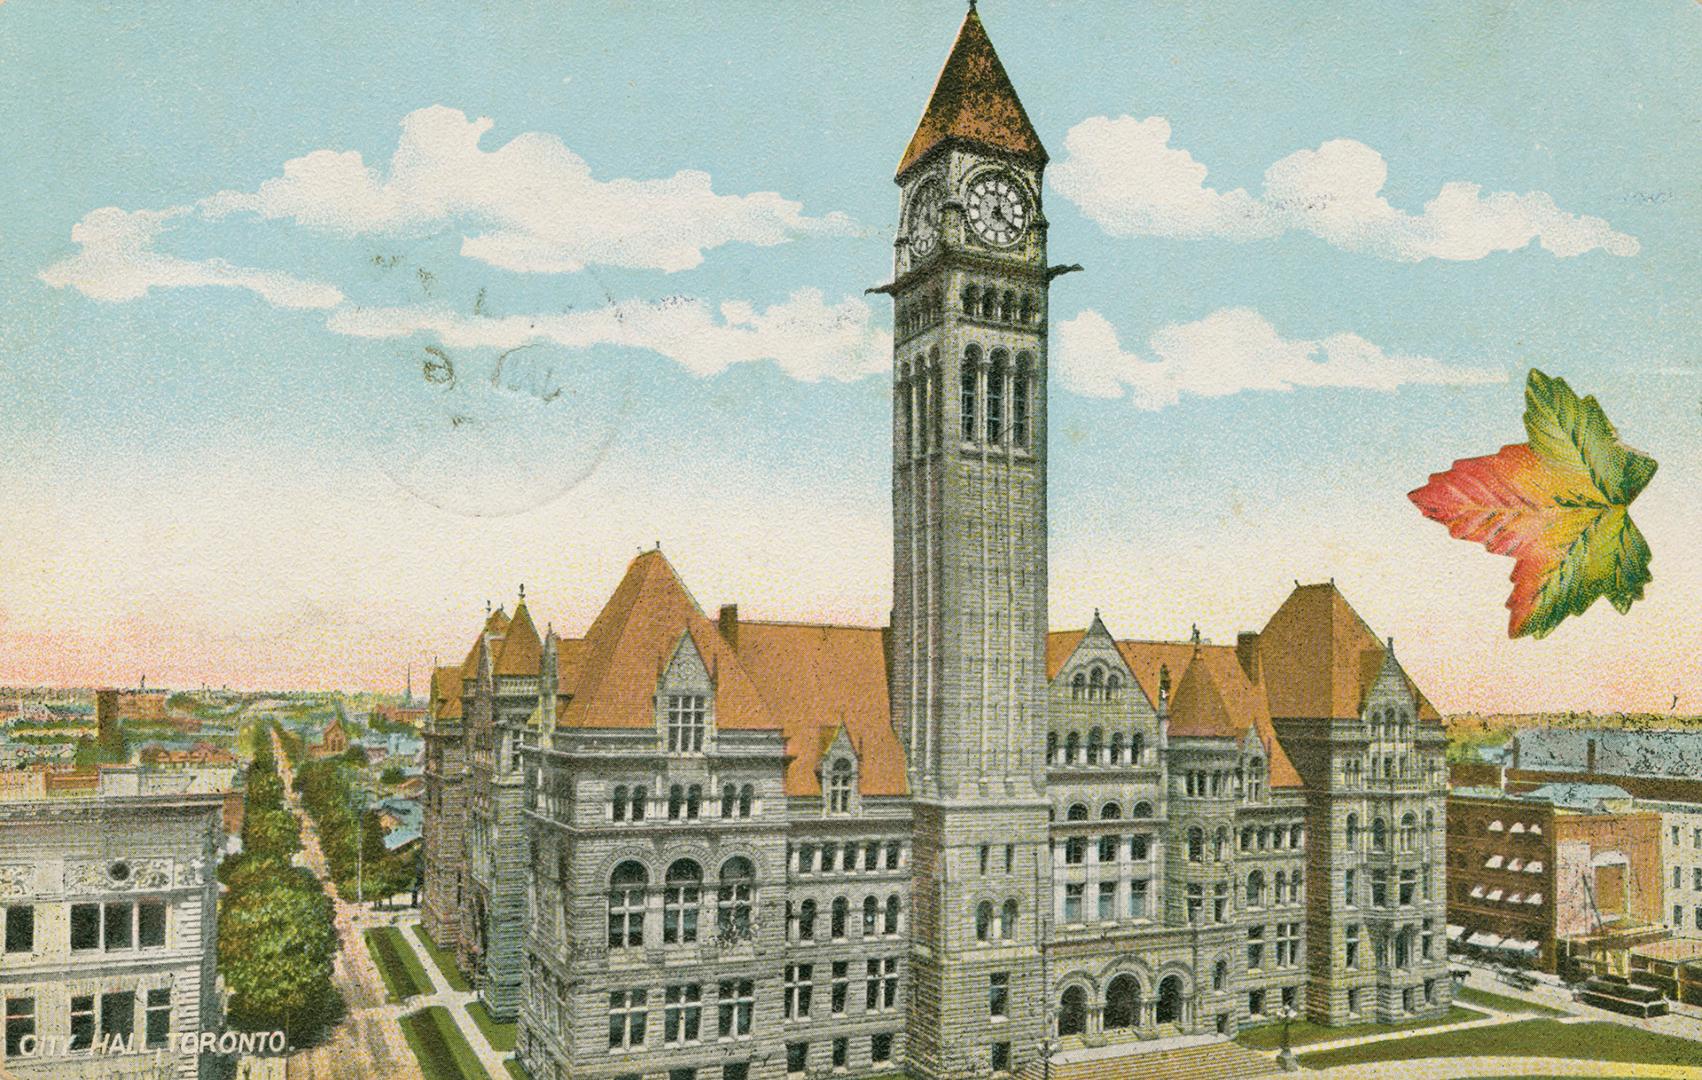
(729, 625)
(1247, 651)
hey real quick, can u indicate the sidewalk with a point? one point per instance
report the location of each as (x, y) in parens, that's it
(1450, 1068)
(454, 1000)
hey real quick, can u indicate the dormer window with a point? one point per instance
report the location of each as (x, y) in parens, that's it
(839, 787)
(686, 721)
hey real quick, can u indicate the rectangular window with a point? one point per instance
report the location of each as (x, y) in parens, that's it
(1107, 901)
(1379, 888)
(627, 1016)
(892, 855)
(1072, 901)
(880, 1048)
(1255, 948)
(150, 924)
(20, 1021)
(986, 853)
(1010, 858)
(999, 994)
(82, 1021)
(1196, 900)
(85, 926)
(685, 723)
(20, 928)
(1696, 878)
(841, 1052)
(1220, 903)
(682, 1014)
(1353, 1001)
(158, 1021)
(1350, 955)
(882, 985)
(737, 1002)
(117, 1016)
(797, 1057)
(799, 987)
(1001, 1057)
(119, 926)
(1350, 895)
(841, 986)
(736, 1070)
(1138, 898)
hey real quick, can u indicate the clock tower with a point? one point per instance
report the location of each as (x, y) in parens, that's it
(969, 565)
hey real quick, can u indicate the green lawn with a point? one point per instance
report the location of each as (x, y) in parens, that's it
(1594, 1041)
(1504, 1003)
(1304, 1032)
(515, 1069)
(442, 1050)
(500, 1036)
(400, 968)
(443, 959)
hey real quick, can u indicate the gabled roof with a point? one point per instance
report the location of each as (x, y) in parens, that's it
(1319, 658)
(570, 657)
(1149, 659)
(1060, 646)
(495, 623)
(974, 101)
(521, 650)
(819, 679)
(630, 644)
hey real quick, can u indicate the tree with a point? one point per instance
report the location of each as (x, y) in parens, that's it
(391, 776)
(276, 945)
(271, 833)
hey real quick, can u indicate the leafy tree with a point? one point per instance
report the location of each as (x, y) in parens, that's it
(391, 776)
(276, 945)
(273, 833)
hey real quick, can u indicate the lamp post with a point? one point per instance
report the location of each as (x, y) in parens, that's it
(1286, 1057)
(1048, 1047)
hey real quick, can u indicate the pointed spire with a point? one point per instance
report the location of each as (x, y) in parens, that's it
(974, 102)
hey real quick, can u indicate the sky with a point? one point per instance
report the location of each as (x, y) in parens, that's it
(318, 334)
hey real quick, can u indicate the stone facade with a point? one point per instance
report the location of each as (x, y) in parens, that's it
(110, 933)
(747, 849)
(1681, 854)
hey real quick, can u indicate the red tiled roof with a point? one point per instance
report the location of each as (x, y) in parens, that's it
(1149, 659)
(630, 644)
(521, 650)
(1060, 646)
(1319, 658)
(1215, 699)
(974, 101)
(446, 693)
(818, 679)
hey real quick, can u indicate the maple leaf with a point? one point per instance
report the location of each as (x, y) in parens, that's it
(1558, 504)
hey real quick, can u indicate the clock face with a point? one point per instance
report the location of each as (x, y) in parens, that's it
(998, 208)
(924, 222)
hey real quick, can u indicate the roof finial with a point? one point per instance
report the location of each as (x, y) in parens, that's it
(522, 592)
(971, 5)
(487, 606)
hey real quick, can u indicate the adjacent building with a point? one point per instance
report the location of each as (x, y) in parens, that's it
(1565, 878)
(717, 848)
(109, 905)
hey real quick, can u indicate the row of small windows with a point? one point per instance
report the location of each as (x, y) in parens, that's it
(108, 927)
(1200, 784)
(1408, 835)
(1099, 752)
(1109, 812)
(1001, 923)
(875, 856)
(917, 313)
(1283, 890)
(995, 400)
(879, 919)
(682, 902)
(1409, 883)
(986, 302)
(685, 802)
(1096, 685)
(1390, 723)
(1076, 848)
(683, 1006)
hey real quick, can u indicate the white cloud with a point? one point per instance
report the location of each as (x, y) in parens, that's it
(808, 338)
(1126, 177)
(530, 205)
(1232, 350)
(116, 261)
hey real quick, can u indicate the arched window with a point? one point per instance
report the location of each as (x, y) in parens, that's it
(1296, 837)
(1095, 744)
(1077, 812)
(1279, 888)
(841, 917)
(807, 921)
(1294, 888)
(919, 401)
(1353, 832)
(1142, 810)
(747, 796)
(1051, 747)
(1007, 920)
(1026, 311)
(1107, 849)
(1072, 746)
(984, 921)
(694, 801)
(1096, 684)
(637, 802)
(1007, 309)
(989, 303)
(971, 300)
(1117, 748)
(1220, 975)
(1110, 812)
(1021, 391)
(1409, 832)
(733, 902)
(1220, 843)
(892, 914)
(626, 905)
(839, 787)
(1196, 844)
(1078, 686)
(729, 800)
(676, 802)
(968, 385)
(1379, 835)
(871, 914)
(1113, 686)
(1137, 748)
(996, 398)
(617, 805)
(682, 892)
